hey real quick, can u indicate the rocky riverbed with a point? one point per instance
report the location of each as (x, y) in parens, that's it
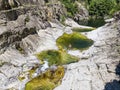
(98, 65)
(96, 69)
(26, 30)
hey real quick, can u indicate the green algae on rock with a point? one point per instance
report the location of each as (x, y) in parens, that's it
(46, 81)
(74, 41)
(21, 78)
(55, 57)
(77, 29)
(32, 71)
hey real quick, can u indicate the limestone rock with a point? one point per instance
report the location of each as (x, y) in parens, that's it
(99, 68)
(82, 16)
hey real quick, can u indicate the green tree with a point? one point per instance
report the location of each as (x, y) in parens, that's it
(100, 8)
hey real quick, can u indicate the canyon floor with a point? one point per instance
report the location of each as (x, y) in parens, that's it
(98, 68)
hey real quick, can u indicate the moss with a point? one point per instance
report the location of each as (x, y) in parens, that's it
(32, 71)
(62, 19)
(82, 29)
(21, 78)
(27, 19)
(56, 57)
(20, 50)
(74, 41)
(46, 81)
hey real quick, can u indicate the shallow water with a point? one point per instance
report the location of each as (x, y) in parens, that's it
(96, 22)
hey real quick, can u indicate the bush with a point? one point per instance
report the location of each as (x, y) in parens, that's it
(100, 8)
(71, 7)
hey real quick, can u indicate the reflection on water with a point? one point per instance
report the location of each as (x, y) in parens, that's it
(96, 22)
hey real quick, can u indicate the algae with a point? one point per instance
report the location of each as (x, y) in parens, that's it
(46, 81)
(52, 78)
(20, 50)
(55, 57)
(77, 29)
(74, 41)
(27, 19)
(21, 78)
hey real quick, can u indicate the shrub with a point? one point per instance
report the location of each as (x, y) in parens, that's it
(71, 7)
(100, 8)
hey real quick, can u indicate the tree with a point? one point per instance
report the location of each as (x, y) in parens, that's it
(100, 8)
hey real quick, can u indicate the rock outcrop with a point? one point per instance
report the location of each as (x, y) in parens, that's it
(52, 9)
(15, 31)
(18, 64)
(98, 64)
(94, 70)
(82, 16)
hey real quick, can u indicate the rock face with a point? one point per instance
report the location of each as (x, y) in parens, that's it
(15, 31)
(46, 10)
(98, 64)
(82, 16)
(23, 35)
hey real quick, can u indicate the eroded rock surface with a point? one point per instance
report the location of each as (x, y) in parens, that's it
(32, 32)
(96, 68)
(98, 64)
(16, 64)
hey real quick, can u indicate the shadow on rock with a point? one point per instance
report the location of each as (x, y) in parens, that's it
(115, 84)
(118, 70)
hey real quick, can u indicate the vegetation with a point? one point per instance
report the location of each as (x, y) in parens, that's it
(116, 7)
(71, 7)
(82, 29)
(46, 81)
(20, 50)
(74, 41)
(32, 71)
(102, 8)
(96, 22)
(27, 19)
(62, 19)
(96, 8)
(55, 57)
(21, 78)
